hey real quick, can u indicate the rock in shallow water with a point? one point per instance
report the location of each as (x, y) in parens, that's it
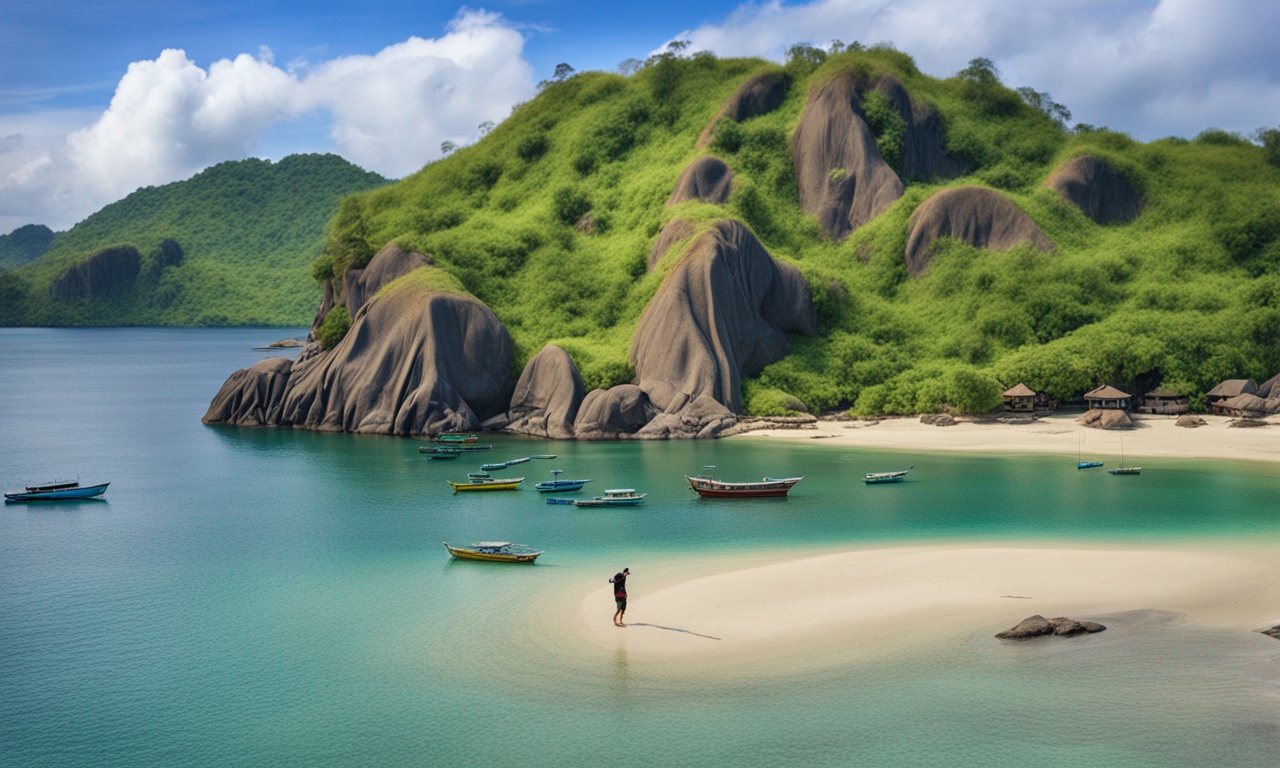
(1039, 626)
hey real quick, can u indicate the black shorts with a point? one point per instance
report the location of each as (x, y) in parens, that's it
(621, 601)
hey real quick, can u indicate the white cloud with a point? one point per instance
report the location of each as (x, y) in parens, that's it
(169, 118)
(1150, 69)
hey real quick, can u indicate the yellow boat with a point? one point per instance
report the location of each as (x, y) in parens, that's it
(490, 484)
(494, 552)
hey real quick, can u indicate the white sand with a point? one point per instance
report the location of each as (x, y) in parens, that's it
(848, 606)
(1153, 436)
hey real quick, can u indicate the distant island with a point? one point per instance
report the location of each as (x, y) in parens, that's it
(657, 253)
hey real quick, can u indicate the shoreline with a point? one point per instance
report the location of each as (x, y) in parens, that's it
(1056, 434)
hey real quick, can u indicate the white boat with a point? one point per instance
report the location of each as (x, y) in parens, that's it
(613, 497)
(875, 478)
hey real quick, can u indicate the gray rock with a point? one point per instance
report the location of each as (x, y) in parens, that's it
(1039, 626)
(923, 156)
(675, 231)
(608, 414)
(547, 396)
(759, 95)
(938, 419)
(1098, 418)
(1273, 632)
(252, 397)
(1187, 420)
(1093, 186)
(978, 216)
(707, 179)
(388, 264)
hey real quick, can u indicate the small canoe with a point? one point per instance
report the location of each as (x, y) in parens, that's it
(454, 438)
(492, 484)
(556, 486)
(58, 491)
(876, 478)
(544, 456)
(554, 500)
(514, 462)
(452, 448)
(491, 467)
(494, 552)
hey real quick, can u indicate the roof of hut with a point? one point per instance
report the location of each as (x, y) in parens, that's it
(1248, 402)
(1233, 387)
(1163, 393)
(1022, 390)
(1105, 392)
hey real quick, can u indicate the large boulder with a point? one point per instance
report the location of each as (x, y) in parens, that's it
(609, 414)
(759, 95)
(707, 179)
(1108, 418)
(253, 396)
(842, 178)
(978, 216)
(388, 264)
(547, 396)
(923, 156)
(1039, 626)
(104, 274)
(1093, 186)
(675, 231)
(720, 314)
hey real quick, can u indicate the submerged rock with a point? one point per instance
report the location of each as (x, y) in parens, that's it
(978, 216)
(1273, 632)
(1039, 626)
(1093, 186)
(547, 396)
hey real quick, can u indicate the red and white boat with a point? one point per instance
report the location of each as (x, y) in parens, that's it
(768, 487)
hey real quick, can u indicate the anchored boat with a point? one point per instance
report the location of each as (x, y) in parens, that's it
(487, 484)
(875, 478)
(494, 552)
(614, 497)
(556, 484)
(718, 489)
(454, 438)
(58, 489)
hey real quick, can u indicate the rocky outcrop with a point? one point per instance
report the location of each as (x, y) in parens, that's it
(104, 274)
(609, 414)
(416, 361)
(1273, 632)
(1099, 418)
(675, 231)
(938, 419)
(390, 263)
(978, 216)
(842, 178)
(1039, 626)
(923, 156)
(252, 397)
(759, 95)
(1189, 421)
(547, 396)
(1270, 387)
(707, 179)
(1093, 186)
(721, 314)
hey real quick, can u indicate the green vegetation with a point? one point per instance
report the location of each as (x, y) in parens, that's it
(334, 327)
(230, 246)
(24, 244)
(1188, 294)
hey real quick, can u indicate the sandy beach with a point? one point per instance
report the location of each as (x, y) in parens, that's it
(1152, 436)
(843, 607)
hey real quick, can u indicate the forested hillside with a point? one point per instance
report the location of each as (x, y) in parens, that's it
(230, 246)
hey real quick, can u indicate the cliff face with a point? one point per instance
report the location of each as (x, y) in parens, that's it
(105, 274)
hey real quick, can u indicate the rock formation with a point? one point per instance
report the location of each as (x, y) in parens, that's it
(416, 361)
(978, 216)
(842, 179)
(1039, 626)
(759, 95)
(106, 273)
(608, 414)
(675, 231)
(1090, 184)
(707, 179)
(922, 154)
(360, 285)
(252, 396)
(720, 315)
(547, 396)
(1109, 418)
(1273, 632)
(1270, 387)
(1189, 421)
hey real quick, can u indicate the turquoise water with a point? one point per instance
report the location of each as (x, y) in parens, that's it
(277, 597)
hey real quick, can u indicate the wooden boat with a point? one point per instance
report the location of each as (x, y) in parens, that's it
(491, 484)
(494, 552)
(491, 467)
(543, 456)
(453, 448)
(56, 490)
(614, 497)
(556, 485)
(876, 478)
(452, 438)
(514, 462)
(719, 489)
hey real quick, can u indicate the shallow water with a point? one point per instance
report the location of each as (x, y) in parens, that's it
(282, 597)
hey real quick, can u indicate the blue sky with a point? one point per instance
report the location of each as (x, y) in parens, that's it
(97, 99)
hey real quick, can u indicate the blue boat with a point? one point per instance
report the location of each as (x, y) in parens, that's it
(1088, 464)
(59, 489)
(557, 485)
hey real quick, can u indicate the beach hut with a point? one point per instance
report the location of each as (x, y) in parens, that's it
(1108, 398)
(1020, 399)
(1229, 389)
(1163, 401)
(1245, 406)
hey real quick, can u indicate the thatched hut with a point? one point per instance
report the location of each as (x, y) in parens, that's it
(1164, 401)
(1229, 389)
(1020, 399)
(1246, 406)
(1108, 398)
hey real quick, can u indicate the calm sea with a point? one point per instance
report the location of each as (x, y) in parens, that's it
(277, 598)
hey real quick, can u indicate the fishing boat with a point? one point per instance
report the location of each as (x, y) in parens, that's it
(614, 497)
(494, 552)
(491, 467)
(1122, 469)
(453, 448)
(489, 484)
(876, 478)
(556, 485)
(454, 438)
(709, 487)
(554, 500)
(57, 489)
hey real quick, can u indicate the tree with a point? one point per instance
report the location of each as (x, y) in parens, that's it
(447, 147)
(628, 67)
(980, 72)
(677, 47)
(485, 127)
(1042, 101)
(1269, 138)
(803, 55)
(562, 73)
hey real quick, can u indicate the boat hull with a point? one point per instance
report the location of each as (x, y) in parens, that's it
(1125, 471)
(1088, 464)
(715, 489)
(490, 557)
(82, 492)
(557, 486)
(496, 485)
(608, 502)
(884, 480)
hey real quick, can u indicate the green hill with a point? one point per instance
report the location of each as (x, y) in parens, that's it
(24, 244)
(229, 246)
(550, 219)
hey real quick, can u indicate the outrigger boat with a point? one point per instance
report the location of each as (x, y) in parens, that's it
(769, 487)
(614, 497)
(494, 552)
(556, 484)
(58, 489)
(489, 484)
(875, 478)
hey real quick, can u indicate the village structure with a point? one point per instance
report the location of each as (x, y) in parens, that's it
(1109, 407)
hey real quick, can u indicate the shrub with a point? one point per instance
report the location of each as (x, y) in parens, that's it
(886, 125)
(570, 204)
(532, 147)
(334, 327)
(728, 136)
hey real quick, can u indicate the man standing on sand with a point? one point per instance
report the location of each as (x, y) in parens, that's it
(619, 582)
